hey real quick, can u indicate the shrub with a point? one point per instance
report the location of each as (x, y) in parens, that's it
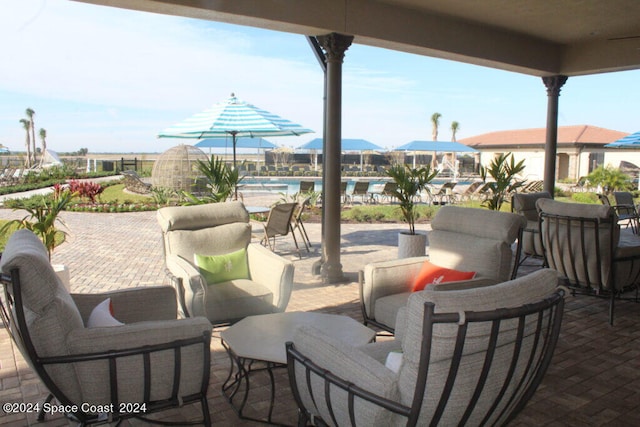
(585, 198)
(85, 189)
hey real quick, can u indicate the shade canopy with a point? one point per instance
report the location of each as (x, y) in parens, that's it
(627, 141)
(438, 146)
(347, 145)
(253, 143)
(233, 118)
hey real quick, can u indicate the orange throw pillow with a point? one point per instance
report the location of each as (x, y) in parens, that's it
(431, 274)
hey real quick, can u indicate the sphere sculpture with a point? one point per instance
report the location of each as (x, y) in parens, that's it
(177, 168)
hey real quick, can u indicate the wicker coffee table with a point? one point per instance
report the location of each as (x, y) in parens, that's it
(257, 343)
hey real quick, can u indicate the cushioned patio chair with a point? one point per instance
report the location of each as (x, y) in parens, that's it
(525, 205)
(585, 244)
(466, 357)
(468, 239)
(222, 229)
(150, 362)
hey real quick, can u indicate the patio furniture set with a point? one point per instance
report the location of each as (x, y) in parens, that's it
(455, 351)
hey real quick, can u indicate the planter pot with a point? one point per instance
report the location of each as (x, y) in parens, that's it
(411, 245)
(63, 273)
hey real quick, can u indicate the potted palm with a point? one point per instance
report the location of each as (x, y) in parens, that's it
(409, 183)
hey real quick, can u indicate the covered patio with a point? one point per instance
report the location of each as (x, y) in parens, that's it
(552, 41)
(593, 380)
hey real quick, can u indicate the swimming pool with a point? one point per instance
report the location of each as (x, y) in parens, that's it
(292, 185)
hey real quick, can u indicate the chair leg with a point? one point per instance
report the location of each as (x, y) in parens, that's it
(611, 307)
(302, 418)
(295, 241)
(305, 236)
(206, 416)
(304, 240)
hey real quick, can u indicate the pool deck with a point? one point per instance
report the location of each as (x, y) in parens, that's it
(594, 379)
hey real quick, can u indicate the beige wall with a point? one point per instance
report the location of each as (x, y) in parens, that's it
(571, 163)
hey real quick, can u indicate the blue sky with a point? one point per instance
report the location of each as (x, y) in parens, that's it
(110, 80)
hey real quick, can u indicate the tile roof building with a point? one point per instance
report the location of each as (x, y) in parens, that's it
(580, 149)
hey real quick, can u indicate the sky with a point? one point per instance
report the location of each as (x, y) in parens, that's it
(110, 80)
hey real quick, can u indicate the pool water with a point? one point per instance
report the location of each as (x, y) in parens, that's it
(292, 186)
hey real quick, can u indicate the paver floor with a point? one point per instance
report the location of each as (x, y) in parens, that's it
(594, 379)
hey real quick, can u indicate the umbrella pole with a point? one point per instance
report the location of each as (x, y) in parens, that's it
(235, 188)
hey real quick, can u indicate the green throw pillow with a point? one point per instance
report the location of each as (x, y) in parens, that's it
(221, 268)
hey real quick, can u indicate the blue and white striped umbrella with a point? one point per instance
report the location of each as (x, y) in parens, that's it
(233, 118)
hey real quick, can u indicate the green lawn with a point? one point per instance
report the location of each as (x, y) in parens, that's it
(116, 194)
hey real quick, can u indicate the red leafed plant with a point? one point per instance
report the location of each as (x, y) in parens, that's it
(85, 189)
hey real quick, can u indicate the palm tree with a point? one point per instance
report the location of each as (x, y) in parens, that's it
(43, 138)
(435, 122)
(455, 127)
(30, 113)
(26, 124)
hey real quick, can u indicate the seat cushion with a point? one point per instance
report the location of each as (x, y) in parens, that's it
(236, 299)
(386, 308)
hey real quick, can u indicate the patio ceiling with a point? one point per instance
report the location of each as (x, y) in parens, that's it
(540, 38)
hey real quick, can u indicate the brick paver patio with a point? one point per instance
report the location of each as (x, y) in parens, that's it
(594, 379)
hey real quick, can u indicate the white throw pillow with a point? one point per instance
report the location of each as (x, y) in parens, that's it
(394, 361)
(102, 316)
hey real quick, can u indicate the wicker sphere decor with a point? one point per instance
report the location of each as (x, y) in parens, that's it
(177, 168)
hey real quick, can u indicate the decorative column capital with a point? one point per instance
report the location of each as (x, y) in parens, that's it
(335, 45)
(554, 84)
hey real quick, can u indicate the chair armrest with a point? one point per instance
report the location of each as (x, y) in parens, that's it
(387, 278)
(192, 287)
(132, 305)
(193, 363)
(349, 364)
(273, 271)
(477, 282)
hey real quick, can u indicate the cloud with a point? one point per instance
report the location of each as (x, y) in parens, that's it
(75, 52)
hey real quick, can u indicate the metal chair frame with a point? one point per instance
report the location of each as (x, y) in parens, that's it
(591, 286)
(298, 224)
(14, 321)
(627, 214)
(548, 319)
